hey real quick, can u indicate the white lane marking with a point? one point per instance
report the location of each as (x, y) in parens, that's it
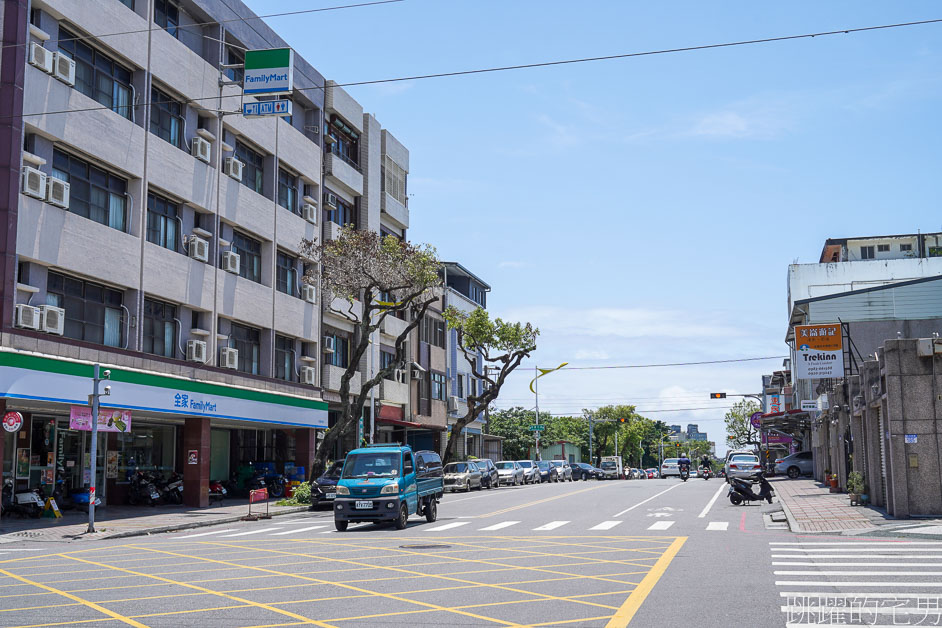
(832, 596)
(193, 536)
(292, 522)
(883, 543)
(605, 525)
(499, 526)
(814, 564)
(870, 550)
(327, 531)
(552, 525)
(661, 525)
(857, 573)
(929, 560)
(297, 530)
(712, 501)
(826, 583)
(259, 531)
(448, 526)
(718, 526)
(645, 501)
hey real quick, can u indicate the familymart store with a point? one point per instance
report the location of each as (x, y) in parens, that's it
(201, 430)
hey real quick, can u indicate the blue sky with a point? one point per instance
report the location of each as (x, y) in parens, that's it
(645, 210)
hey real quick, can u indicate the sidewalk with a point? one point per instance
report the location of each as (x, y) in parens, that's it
(120, 521)
(810, 507)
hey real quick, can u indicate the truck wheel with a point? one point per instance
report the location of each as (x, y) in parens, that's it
(341, 525)
(403, 517)
(431, 510)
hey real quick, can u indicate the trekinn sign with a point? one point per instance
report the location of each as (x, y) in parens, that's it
(819, 351)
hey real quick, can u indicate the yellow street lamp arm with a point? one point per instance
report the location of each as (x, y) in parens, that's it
(544, 372)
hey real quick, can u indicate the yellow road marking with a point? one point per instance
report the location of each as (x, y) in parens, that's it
(205, 590)
(627, 611)
(75, 598)
(568, 621)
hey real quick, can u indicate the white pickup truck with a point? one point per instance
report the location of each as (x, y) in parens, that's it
(611, 467)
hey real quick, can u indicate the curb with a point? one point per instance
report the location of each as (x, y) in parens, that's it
(792, 522)
(189, 526)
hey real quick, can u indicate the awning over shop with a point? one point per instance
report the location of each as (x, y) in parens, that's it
(409, 424)
(790, 421)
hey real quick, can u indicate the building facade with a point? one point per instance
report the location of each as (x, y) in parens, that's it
(156, 231)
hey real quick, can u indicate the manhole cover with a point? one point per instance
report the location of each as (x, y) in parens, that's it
(424, 546)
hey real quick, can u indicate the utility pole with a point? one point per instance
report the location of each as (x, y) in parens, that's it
(536, 390)
(591, 451)
(94, 399)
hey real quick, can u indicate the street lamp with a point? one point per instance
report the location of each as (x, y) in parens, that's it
(536, 392)
(94, 399)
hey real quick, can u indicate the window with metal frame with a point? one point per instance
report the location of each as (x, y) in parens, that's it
(162, 225)
(246, 340)
(459, 381)
(286, 274)
(866, 252)
(288, 191)
(285, 353)
(438, 386)
(250, 252)
(340, 356)
(346, 144)
(97, 75)
(167, 16)
(93, 312)
(387, 358)
(160, 328)
(128, 3)
(234, 56)
(345, 214)
(883, 248)
(94, 193)
(394, 180)
(167, 118)
(253, 171)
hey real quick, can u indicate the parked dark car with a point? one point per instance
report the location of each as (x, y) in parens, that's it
(583, 471)
(548, 472)
(324, 488)
(489, 478)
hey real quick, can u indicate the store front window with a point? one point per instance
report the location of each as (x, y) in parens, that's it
(146, 447)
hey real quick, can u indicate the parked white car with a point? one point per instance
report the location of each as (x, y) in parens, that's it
(509, 473)
(531, 472)
(563, 469)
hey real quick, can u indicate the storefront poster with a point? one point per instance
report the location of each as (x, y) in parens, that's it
(22, 462)
(50, 459)
(819, 352)
(49, 476)
(111, 466)
(80, 418)
(192, 456)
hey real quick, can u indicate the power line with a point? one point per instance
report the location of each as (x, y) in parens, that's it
(214, 22)
(523, 368)
(576, 412)
(505, 68)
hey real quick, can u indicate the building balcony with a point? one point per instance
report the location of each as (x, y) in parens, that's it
(395, 211)
(342, 173)
(331, 379)
(392, 326)
(391, 391)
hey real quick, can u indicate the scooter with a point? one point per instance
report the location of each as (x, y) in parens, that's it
(684, 473)
(706, 472)
(216, 491)
(276, 483)
(8, 505)
(174, 488)
(740, 490)
(31, 503)
(61, 492)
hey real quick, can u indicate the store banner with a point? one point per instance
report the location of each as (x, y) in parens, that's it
(774, 403)
(109, 420)
(819, 351)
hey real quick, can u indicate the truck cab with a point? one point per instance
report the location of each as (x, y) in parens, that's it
(388, 483)
(611, 467)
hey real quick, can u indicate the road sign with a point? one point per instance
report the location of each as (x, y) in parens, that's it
(537, 428)
(267, 108)
(756, 420)
(269, 71)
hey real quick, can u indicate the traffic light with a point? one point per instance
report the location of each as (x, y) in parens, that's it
(622, 420)
(717, 395)
(677, 445)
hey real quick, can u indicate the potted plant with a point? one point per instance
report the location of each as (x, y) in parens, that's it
(855, 487)
(833, 484)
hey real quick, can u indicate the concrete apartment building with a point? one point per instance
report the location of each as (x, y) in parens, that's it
(155, 231)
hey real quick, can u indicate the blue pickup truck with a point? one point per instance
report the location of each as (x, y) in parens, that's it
(388, 483)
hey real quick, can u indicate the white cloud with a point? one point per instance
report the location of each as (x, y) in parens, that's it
(756, 118)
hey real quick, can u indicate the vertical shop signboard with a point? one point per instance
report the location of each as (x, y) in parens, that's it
(22, 463)
(819, 351)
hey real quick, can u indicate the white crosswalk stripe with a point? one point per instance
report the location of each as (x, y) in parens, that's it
(499, 526)
(858, 583)
(660, 525)
(605, 525)
(298, 530)
(193, 536)
(259, 531)
(552, 525)
(718, 526)
(447, 526)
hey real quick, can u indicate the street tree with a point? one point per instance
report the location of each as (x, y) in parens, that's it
(739, 430)
(492, 349)
(365, 277)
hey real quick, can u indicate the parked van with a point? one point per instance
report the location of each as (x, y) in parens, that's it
(388, 483)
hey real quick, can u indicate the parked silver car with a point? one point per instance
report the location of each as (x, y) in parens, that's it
(509, 473)
(531, 472)
(461, 476)
(563, 470)
(796, 465)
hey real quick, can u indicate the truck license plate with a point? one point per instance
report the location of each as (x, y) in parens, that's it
(364, 504)
(330, 495)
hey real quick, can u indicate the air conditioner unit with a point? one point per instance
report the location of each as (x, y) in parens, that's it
(328, 344)
(400, 376)
(230, 262)
(233, 168)
(41, 58)
(452, 403)
(331, 201)
(307, 375)
(57, 192)
(27, 316)
(64, 68)
(195, 351)
(34, 183)
(309, 293)
(309, 213)
(417, 373)
(201, 149)
(229, 358)
(198, 249)
(51, 319)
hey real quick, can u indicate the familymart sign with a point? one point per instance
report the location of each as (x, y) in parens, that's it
(39, 378)
(269, 72)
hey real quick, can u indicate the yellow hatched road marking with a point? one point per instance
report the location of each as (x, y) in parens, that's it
(627, 611)
(75, 598)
